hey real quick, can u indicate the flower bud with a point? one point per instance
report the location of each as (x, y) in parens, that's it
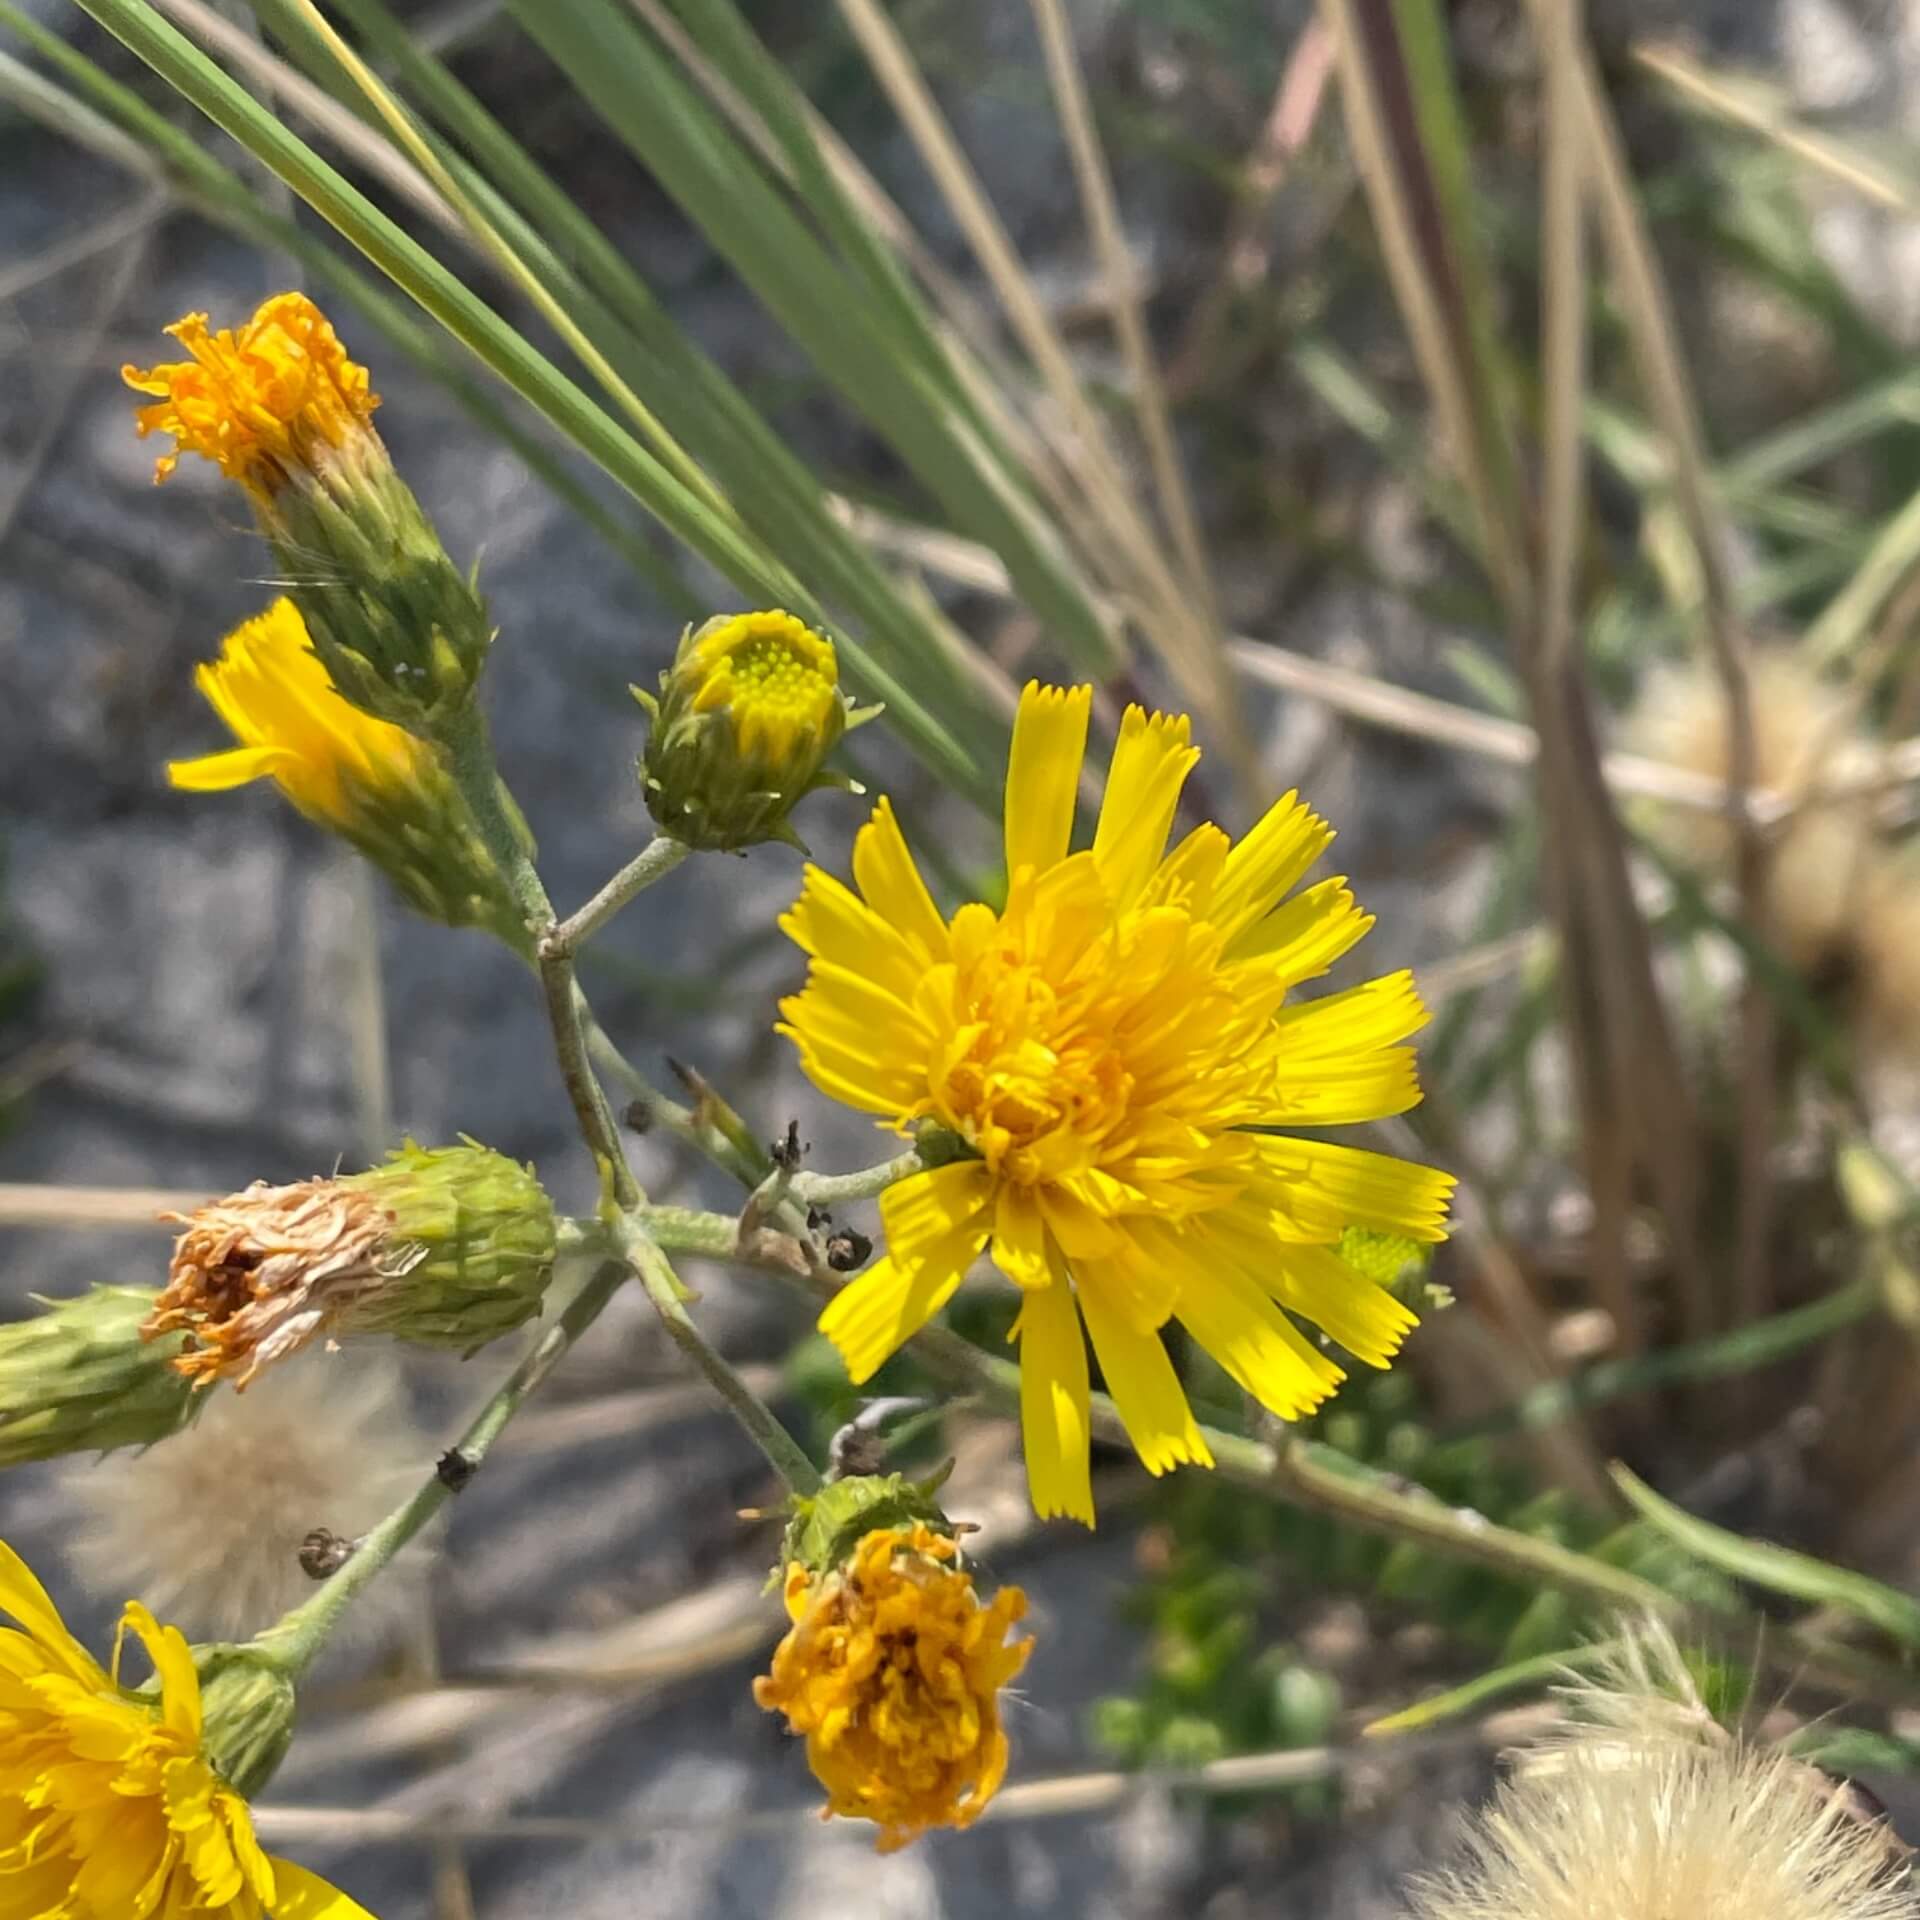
(379, 787)
(746, 717)
(892, 1670)
(278, 406)
(79, 1378)
(450, 1246)
(247, 1703)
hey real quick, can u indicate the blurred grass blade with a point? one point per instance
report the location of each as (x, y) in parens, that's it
(1848, 618)
(1745, 100)
(1517, 1676)
(1563, 337)
(498, 345)
(1174, 622)
(1407, 137)
(699, 161)
(1069, 88)
(1778, 1569)
(780, 499)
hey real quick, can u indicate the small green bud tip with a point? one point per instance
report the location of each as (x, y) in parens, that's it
(475, 1235)
(248, 1703)
(78, 1378)
(747, 715)
(825, 1527)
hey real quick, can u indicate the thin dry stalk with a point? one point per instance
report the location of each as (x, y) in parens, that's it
(1166, 614)
(1095, 183)
(1246, 252)
(1650, 325)
(1563, 336)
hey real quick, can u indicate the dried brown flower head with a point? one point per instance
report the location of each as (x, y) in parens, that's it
(445, 1246)
(257, 1275)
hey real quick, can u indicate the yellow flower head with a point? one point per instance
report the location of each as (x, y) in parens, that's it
(777, 680)
(374, 782)
(110, 1808)
(262, 401)
(1117, 1046)
(325, 755)
(746, 717)
(893, 1671)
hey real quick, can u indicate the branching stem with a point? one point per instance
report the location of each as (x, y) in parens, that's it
(300, 1636)
(654, 861)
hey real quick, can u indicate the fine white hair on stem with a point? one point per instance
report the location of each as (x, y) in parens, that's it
(207, 1527)
(1641, 1806)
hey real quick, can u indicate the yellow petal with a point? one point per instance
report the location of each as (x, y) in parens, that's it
(891, 883)
(931, 1205)
(1043, 774)
(173, 1662)
(1303, 938)
(26, 1600)
(1271, 860)
(1151, 762)
(1263, 1352)
(1337, 1064)
(1318, 1188)
(1374, 1014)
(1359, 1313)
(1020, 1238)
(1141, 1379)
(220, 772)
(936, 1225)
(1053, 1404)
(831, 922)
(300, 1895)
(1188, 875)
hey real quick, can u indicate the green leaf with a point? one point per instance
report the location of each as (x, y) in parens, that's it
(1779, 1569)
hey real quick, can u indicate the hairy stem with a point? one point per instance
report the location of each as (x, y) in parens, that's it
(648, 1260)
(831, 1189)
(654, 861)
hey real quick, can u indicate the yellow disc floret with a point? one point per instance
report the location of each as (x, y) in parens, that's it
(262, 400)
(109, 1803)
(745, 719)
(293, 728)
(893, 1671)
(776, 677)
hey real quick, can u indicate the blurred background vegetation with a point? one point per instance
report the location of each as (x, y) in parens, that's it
(1528, 396)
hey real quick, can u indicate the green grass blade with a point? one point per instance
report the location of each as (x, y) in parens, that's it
(489, 337)
(696, 157)
(1778, 1569)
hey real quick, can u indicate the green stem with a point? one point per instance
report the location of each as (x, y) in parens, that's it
(300, 1636)
(654, 861)
(469, 750)
(831, 1189)
(470, 757)
(783, 1452)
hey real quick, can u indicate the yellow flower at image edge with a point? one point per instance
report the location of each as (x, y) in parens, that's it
(109, 1808)
(325, 754)
(261, 400)
(1115, 1046)
(893, 1671)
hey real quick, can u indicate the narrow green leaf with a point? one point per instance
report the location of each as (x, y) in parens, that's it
(1778, 1569)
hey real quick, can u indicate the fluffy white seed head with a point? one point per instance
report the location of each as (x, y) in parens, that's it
(1805, 739)
(1642, 1807)
(207, 1527)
